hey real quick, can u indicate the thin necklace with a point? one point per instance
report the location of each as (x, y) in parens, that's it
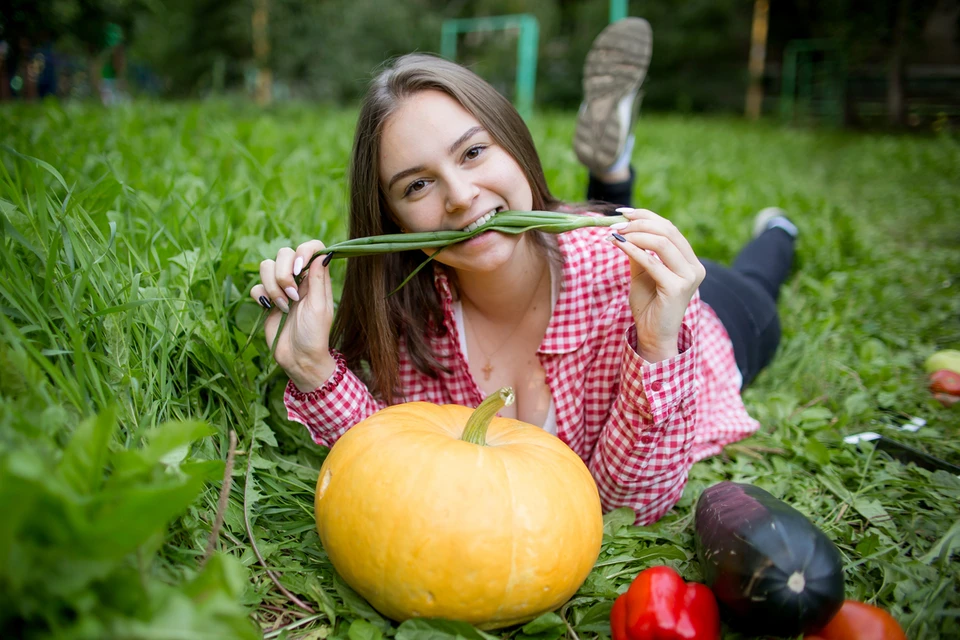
(488, 368)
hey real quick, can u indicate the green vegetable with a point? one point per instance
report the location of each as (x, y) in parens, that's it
(511, 222)
(945, 359)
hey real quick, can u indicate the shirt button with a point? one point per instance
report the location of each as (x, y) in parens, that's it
(646, 438)
(656, 385)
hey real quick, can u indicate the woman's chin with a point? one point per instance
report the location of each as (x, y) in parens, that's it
(487, 251)
(481, 240)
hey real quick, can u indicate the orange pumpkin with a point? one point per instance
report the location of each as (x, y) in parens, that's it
(441, 511)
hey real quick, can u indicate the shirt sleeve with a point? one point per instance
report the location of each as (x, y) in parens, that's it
(644, 450)
(331, 409)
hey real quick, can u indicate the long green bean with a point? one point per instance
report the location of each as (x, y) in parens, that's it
(509, 222)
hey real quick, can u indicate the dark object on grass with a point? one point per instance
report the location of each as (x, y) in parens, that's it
(906, 454)
(773, 572)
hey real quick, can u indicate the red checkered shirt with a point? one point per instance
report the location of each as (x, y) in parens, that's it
(638, 426)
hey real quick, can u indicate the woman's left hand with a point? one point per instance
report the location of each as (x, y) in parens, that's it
(660, 290)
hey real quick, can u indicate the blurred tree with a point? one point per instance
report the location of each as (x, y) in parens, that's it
(758, 58)
(330, 48)
(26, 26)
(261, 51)
(872, 32)
(327, 49)
(185, 41)
(77, 27)
(700, 54)
(320, 50)
(940, 33)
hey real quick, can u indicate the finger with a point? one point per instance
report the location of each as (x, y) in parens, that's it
(268, 277)
(270, 326)
(259, 294)
(646, 220)
(321, 289)
(666, 279)
(303, 287)
(284, 271)
(665, 249)
(304, 253)
(665, 229)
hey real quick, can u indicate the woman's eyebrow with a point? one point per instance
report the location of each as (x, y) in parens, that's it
(469, 133)
(404, 174)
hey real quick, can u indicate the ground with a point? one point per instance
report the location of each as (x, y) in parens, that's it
(132, 235)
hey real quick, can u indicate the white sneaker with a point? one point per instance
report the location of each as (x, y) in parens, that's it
(773, 217)
(615, 67)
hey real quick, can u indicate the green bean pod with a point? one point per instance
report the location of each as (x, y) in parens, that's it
(509, 222)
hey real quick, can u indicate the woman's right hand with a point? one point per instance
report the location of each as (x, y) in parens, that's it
(303, 350)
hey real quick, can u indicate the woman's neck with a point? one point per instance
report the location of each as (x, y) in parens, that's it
(502, 296)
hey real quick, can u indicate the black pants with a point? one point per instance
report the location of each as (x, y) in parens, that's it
(743, 296)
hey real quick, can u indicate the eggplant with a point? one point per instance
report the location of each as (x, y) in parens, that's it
(773, 572)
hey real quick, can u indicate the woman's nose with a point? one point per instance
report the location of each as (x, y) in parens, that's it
(461, 192)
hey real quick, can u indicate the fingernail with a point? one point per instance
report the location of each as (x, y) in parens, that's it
(297, 266)
(619, 225)
(292, 294)
(625, 210)
(619, 237)
(327, 259)
(265, 303)
(283, 305)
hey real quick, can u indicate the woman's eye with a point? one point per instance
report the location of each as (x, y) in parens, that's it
(415, 186)
(473, 152)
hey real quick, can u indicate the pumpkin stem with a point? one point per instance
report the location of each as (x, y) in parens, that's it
(482, 416)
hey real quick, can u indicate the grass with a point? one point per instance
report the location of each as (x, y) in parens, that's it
(131, 236)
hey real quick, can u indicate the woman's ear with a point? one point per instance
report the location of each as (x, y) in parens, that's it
(402, 228)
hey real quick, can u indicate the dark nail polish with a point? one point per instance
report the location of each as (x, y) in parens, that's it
(265, 303)
(619, 237)
(327, 259)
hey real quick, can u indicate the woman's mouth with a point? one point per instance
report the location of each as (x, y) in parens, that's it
(482, 220)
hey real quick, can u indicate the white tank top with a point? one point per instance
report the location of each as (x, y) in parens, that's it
(550, 422)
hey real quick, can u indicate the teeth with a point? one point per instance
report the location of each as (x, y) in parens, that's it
(482, 221)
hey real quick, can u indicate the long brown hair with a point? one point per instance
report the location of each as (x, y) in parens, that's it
(368, 323)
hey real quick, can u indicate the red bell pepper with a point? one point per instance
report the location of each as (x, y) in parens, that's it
(659, 605)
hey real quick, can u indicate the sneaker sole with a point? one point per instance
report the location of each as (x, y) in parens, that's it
(615, 67)
(763, 218)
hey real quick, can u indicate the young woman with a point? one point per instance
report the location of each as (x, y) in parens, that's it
(604, 337)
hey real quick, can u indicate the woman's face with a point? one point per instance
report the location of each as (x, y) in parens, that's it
(441, 170)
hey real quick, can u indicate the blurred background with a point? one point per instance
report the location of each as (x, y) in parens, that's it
(852, 63)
